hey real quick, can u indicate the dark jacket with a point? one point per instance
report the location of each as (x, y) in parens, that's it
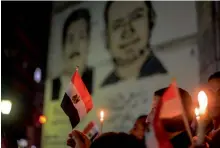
(150, 67)
(181, 141)
(215, 142)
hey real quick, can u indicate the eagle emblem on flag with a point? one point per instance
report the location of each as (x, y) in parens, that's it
(75, 98)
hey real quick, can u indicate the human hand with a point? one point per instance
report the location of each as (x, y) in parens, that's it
(195, 145)
(77, 139)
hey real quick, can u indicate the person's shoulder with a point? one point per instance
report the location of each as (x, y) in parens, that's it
(152, 66)
(110, 79)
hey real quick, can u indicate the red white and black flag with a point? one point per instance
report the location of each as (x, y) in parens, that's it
(91, 130)
(157, 137)
(77, 101)
(169, 106)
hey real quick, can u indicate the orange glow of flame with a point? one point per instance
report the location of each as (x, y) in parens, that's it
(102, 114)
(42, 119)
(197, 113)
(203, 102)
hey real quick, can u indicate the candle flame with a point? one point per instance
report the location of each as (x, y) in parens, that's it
(203, 102)
(102, 115)
(197, 113)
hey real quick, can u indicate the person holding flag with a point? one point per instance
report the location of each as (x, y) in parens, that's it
(170, 118)
(139, 128)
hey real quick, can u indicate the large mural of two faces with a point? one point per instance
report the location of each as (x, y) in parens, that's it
(125, 51)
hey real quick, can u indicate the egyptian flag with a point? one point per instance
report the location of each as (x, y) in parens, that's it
(168, 107)
(91, 130)
(172, 109)
(77, 101)
(156, 137)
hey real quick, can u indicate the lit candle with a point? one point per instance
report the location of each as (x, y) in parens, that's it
(200, 116)
(197, 113)
(102, 114)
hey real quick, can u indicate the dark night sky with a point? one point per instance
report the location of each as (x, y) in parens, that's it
(25, 31)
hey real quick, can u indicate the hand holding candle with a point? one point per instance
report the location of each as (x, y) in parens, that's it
(200, 114)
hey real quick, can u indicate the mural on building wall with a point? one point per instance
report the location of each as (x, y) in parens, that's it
(128, 43)
(75, 46)
(120, 69)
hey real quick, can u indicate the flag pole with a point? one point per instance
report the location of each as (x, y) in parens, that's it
(185, 120)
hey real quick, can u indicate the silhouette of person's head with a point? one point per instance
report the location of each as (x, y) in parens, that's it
(214, 101)
(176, 124)
(116, 140)
(140, 127)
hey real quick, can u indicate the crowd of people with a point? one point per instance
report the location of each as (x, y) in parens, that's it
(174, 127)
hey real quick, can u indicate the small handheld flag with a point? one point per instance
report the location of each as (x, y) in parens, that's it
(157, 137)
(168, 107)
(91, 130)
(77, 101)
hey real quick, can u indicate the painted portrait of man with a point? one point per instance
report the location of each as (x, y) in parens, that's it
(75, 45)
(128, 28)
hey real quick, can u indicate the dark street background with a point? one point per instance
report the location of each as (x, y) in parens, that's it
(25, 32)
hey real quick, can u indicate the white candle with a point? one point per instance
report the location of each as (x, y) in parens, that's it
(200, 116)
(203, 102)
(102, 114)
(197, 114)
